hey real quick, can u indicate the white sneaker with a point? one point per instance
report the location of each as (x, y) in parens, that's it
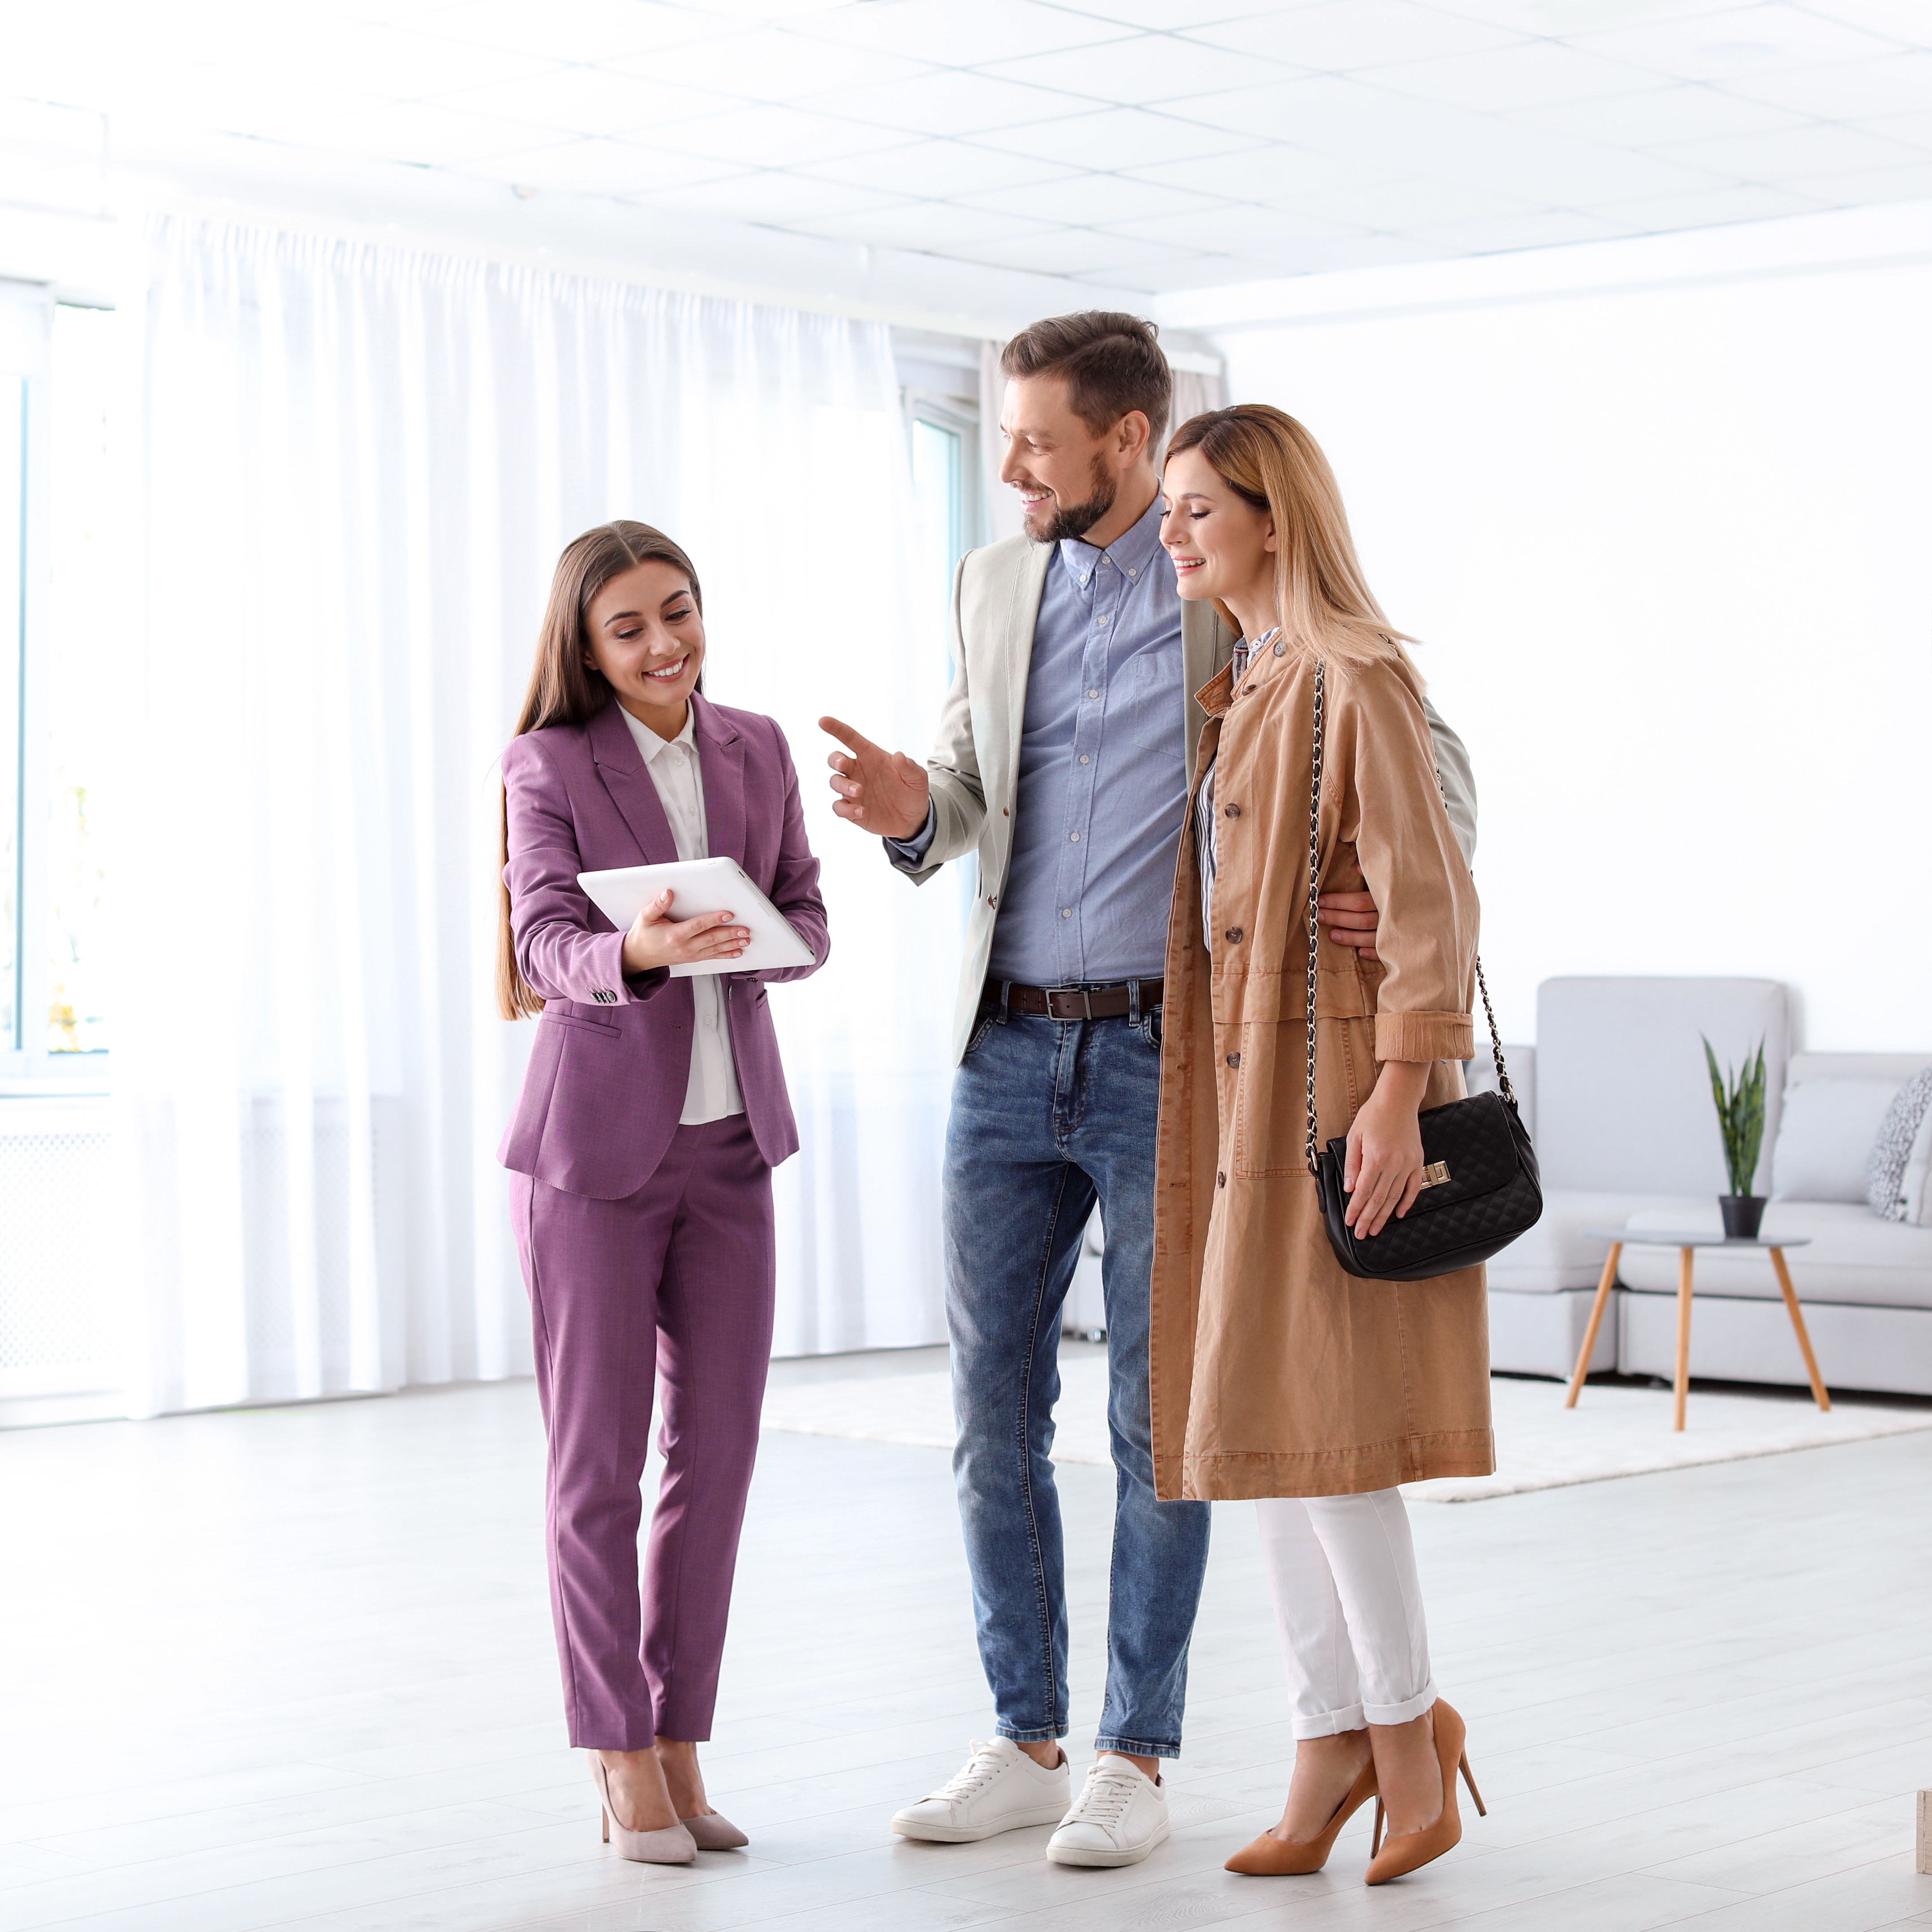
(1120, 1816)
(999, 1789)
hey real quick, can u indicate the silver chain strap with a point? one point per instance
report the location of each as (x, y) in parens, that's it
(1314, 934)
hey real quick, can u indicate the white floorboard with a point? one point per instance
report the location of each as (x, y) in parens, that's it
(293, 1668)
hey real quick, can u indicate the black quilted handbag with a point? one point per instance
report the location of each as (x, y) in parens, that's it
(1480, 1188)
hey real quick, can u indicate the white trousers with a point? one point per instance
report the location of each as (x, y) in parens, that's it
(1349, 1604)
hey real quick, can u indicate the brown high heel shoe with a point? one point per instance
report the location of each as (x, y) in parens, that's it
(1405, 1853)
(1271, 1857)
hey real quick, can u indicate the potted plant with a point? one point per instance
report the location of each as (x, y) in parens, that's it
(1740, 1098)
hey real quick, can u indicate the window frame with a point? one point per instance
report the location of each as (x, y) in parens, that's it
(27, 1067)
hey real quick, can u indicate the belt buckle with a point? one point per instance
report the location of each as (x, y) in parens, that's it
(1083, 994)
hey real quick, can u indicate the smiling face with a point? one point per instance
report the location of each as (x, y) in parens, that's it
(1068, 478)
(1221, 546)
(644, 632)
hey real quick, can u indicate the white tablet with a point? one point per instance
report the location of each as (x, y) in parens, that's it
(699, 886)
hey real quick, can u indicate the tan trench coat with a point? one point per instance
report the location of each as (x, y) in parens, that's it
(1275, 1373)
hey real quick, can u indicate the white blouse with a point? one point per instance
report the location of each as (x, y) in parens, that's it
(713, 1090)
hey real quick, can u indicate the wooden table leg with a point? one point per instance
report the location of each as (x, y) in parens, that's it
(1798, 1322)
(1597, 1307)
(1684, 1257)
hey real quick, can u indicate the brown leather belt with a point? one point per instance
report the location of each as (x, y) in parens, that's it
(1075, 1002)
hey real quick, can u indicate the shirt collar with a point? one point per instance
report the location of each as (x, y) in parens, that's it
(1131, 551)
(648, 742)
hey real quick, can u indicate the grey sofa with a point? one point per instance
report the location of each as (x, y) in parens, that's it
(1617, 1100)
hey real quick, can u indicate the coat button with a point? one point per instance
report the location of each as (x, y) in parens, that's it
(1233, 810)
(1233, 935)
(1233, 1059)
(992, 898)
(1220, 1180)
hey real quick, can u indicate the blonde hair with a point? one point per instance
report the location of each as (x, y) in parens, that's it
(1322, 601)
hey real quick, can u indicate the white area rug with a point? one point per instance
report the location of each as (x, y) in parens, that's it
(1541, 1444)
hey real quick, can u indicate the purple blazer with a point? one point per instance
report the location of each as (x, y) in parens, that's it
(612, 1059)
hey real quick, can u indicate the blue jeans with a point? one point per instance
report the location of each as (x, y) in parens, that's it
(1048, 1117)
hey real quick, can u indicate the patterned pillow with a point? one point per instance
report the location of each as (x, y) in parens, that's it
(1895, 1176)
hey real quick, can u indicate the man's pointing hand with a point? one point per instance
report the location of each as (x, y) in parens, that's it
(884, 791)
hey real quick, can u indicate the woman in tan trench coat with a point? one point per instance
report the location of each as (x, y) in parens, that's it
(1275, 1374)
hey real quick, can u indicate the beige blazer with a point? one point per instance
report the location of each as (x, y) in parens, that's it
(974, 768)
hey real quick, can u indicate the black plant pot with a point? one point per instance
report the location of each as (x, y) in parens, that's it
(1742, 1214)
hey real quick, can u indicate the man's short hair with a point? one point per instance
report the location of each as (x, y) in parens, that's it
(1112, 364)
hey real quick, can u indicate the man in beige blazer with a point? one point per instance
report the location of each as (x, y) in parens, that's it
(1064, 761)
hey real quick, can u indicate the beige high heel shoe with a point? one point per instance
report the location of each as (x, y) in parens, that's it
(670, 1845)
(1271, 1857)
(1405, 1851)
(712, 1832)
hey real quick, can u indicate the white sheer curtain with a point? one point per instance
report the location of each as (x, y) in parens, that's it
(355, 467)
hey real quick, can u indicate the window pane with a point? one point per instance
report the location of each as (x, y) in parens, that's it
(936, 462)
(13, 533)
(77, 761)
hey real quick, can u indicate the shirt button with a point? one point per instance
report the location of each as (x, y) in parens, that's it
(1234, 811)
(1093, 692)
(1084, 759)
(1066, 912)
(1233, 935)
(1133, 573)
(992, 898)
(1102, 619)
(1233, 1059)
(1074, 836)
(1281, 649)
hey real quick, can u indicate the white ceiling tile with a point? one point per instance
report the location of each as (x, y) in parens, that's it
(420, 133)
(1661, 214)
(1153, 67)
(389, 62)
(1534, 73)
(588, 101)
(1559, 19)
(769, 65)
(1276, 173)
(1823, 148)
(940, 169)
(1682, 111)
(1849, 90)
(946, 104)
(969, 36)
(1861, 189)
(778, 137)
(1242, 231)
(930, 227)
(1552, 228)
(1342, 34)
(1914, 129)
(1390, 132)
(1907, 20)
(1199, 271)
(1124, 137)
(602, 167)
(1737, 41)
(569, 30)
(1068, 251)
(1405, 205)
(1309, 256)
(1164, 15)
(1092, 201)
(775, 197)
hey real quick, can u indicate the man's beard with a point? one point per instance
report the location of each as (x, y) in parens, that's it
(1075, 520)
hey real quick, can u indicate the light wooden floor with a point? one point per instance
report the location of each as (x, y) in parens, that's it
(293, 1668)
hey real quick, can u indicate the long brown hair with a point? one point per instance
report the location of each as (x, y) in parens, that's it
(1322, 601)
(565, 689)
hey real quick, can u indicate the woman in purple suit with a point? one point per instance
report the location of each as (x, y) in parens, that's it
(651, 1117)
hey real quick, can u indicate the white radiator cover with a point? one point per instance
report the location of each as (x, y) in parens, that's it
(60, 1322)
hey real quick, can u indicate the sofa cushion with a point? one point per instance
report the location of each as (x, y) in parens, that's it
(1556, 1254)
(1825, 1137)
(1854, 1256)
(1895, 1177)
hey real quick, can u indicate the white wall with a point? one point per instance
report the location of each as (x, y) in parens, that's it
(1671, 551)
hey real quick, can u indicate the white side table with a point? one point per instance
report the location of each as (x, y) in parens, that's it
(1687, 1245)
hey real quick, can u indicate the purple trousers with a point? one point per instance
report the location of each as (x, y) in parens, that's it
(673, 1283)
